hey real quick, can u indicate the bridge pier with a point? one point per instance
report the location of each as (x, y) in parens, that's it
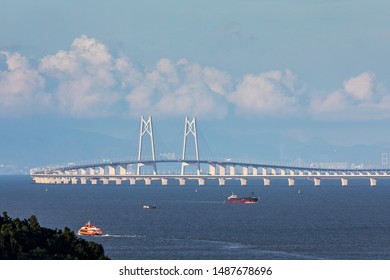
(243, 182)
(372, 182)
(221, 181)
(211, 169)
(267, 182)
(148, 181)
(201, 181)
(291, 182)
(164, 181)
(100, 170)
(74, 180)
(344, 182)
(132, 181)
(182, 181)
(254, 171)
(105, 181)
(83, 180)
(222, 169)
(111, 170)
(317, 182)
(93, 181)
(122, 169)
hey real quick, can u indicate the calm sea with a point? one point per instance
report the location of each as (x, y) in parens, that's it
(191, 222)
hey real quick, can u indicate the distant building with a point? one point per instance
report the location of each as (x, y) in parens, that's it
(357, 166)
(332, 165)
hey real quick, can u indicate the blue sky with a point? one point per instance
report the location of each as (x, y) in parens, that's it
(268, 80)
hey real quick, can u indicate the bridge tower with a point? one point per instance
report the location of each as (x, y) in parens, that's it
(146, 128)
(190, 129)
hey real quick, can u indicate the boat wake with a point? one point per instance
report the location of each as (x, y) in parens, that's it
(123, 236)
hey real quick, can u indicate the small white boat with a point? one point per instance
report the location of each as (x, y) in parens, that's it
(150, 206)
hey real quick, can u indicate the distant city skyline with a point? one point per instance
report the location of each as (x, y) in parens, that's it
(267, 80)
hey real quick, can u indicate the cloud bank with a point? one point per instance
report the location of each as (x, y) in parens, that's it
(360, 98)
(271, 93)
(88, 81)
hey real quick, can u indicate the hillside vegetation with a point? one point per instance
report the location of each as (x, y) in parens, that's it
(27, 240)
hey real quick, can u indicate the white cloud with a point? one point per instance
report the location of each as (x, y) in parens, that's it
(360, 87)
(85, 76)
(21, 87)
(126, 73)
(360, 98)
(140, 99)
(269, 93)
(181, 88)
(335, 101)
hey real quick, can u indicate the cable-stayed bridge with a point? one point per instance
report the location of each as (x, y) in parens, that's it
(141, 170)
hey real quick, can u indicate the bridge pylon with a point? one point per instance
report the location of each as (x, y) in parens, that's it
(146, 128)
(190, 129)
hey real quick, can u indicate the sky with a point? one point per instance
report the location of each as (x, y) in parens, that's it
(271, 80)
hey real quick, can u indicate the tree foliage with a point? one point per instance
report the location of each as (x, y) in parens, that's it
(26, 239)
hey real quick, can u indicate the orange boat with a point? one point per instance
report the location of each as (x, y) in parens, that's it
(89, 229)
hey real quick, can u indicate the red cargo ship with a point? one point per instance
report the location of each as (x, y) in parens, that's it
(234, 199)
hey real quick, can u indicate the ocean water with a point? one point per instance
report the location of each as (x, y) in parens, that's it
(192, 222)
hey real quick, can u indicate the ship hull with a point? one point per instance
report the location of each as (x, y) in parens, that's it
(242, 200)
(89, 234)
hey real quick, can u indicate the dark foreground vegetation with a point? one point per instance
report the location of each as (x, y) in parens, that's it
(27, 240)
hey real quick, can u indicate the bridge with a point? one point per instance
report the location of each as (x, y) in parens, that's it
(141, 170)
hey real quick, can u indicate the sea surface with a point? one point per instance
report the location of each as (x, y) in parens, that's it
(192, 222)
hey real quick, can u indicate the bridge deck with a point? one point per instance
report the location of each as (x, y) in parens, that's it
(221, 170)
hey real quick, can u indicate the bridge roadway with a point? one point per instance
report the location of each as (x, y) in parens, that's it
(122, 171)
